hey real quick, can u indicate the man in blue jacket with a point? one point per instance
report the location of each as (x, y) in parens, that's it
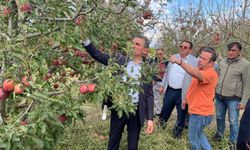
(144, 100)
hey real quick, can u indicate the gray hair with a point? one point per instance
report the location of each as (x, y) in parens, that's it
(146, 40)
(210, 50)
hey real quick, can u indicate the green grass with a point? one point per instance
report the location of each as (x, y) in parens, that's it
(88, 135)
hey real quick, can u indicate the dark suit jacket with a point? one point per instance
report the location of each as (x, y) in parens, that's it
(146, 98)
(244, 130)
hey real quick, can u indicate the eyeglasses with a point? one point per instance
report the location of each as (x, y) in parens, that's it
(184, 47)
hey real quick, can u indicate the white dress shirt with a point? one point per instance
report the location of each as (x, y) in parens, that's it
(133, 71)
(176, 76)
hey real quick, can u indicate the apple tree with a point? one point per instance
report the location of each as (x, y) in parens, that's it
(213, 23)
(45, 73)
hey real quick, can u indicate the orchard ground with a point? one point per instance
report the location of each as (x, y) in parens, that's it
(93, 134)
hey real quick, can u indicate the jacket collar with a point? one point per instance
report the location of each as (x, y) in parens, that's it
(233, 60)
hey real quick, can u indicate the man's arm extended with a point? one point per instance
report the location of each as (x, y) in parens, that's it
(95, 53)
(194, 72)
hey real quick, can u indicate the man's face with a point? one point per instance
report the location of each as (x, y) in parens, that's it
(204, 60)
(138, 46)
(185, 49)
(159, 54)
(233, 53)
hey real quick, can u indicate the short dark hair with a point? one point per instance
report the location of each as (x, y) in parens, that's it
(146, 40)
(210, 50)
(159, 49)
(232, 44)
(190, 43)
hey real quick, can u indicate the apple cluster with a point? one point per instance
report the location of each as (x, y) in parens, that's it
(87, 88)
(25, 8)
(9, 86)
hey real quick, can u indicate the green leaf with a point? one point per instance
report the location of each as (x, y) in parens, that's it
(38, 141)
(3, 145)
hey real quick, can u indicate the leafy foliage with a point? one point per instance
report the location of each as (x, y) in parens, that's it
(40, 41)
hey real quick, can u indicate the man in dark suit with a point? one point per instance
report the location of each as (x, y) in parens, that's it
(143, 100)
(243, 141)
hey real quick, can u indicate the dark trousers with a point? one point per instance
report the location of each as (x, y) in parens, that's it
(243, 141)
(172, 98)
(117, 126)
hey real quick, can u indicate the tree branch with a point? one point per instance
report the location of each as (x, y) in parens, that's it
(55, 93)
(32, 35)
(123, 8)
(5, 36)
(78, 13)
(26, 111)
(54, 19)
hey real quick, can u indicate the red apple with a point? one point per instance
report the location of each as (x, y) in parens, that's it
(82, 54)
(8, 85)
(55, 85)
(55, 62)
(84, 61)
(26, 7)
(72, 74)
(62, 118)
(78, 53)
(84, 89)
(63, 74)
(147, 15)
(25, 82)
(25, 122)
(7, 12)
(47, 76)
(91, 87)
(3, 94)
(18, 88)
(78, 20)
(62, 61)
(66, 50)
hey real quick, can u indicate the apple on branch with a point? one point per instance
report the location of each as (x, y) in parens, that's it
(26, 7)
(18, 88)
(84, 89)
(91, 87)
(8, 85)
(7, 12)
(3, 94)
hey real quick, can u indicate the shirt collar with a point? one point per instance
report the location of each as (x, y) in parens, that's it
(187, 57)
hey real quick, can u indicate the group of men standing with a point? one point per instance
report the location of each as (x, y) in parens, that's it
(190, 84)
